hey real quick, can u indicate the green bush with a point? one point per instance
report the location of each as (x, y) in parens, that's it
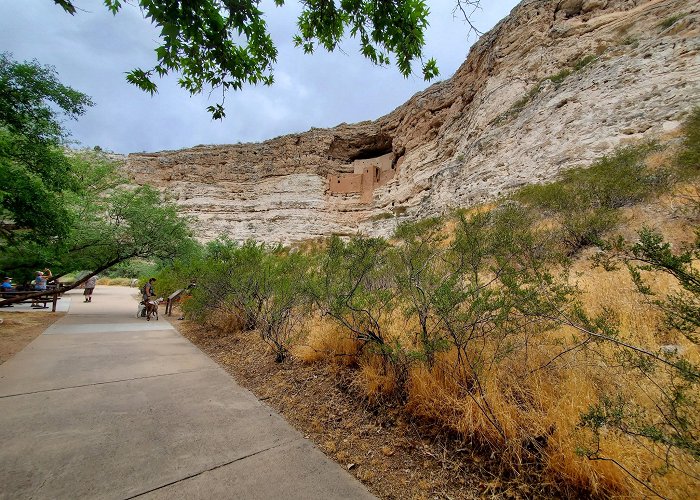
(584, 61)
(559, 77)
(354, 285)
(258, 287)
(134, 268)
(585, 201)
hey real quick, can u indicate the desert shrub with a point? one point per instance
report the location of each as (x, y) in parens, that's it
(114, 281)
(559, 77)
(281, 299)
(354, 286)
(499, 298)
(227, 281)
(382, 216)
(133, 268)
(423, 275)
(584, 61)
(585, 201)
(247, 286)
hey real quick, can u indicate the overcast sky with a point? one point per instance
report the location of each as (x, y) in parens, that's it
(93, 49)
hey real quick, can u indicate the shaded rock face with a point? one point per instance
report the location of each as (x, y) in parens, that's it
(555, 85)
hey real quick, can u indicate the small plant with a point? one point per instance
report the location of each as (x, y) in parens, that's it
(688, 160)
(559, 77)
(631, 40)
(382, 216)
(583, 62)
(670, 21)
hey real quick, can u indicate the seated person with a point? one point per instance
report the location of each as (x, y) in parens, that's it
(6, 286)
(40, 284)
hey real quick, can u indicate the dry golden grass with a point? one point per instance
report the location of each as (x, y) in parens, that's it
(532, 416)
(225, 322)
(376, 378)
(326, 341)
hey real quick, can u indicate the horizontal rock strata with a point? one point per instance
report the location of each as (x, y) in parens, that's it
(556, 84)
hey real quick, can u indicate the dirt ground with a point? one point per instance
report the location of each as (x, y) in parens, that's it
(392, 455)
(19, 329)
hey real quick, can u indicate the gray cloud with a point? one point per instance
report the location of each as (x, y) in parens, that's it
(93, 49)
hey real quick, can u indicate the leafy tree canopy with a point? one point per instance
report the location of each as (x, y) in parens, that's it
(224, 44)
(64, 209)
(34, 171)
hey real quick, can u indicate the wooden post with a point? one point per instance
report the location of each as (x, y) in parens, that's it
(55, 301)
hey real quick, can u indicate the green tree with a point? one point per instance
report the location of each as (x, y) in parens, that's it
(68, 210)
(34, 169)
(225, 44)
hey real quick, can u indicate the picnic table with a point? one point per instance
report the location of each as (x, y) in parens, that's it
(49, 295)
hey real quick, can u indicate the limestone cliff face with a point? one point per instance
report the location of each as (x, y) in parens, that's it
(556, 84)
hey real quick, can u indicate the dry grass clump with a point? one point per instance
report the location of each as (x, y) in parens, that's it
(327, 341)
(377, 379)
(224, 322)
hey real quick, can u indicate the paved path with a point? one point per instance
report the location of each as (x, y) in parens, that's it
(105, 405)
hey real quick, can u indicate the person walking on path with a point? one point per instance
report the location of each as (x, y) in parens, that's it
(89, 288)
(147, 291)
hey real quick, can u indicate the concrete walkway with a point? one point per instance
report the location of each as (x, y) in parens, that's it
(105, 405)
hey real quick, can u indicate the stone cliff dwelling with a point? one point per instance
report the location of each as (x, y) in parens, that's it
(368, 174)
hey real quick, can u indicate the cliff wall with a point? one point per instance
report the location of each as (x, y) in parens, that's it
(556, 84)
